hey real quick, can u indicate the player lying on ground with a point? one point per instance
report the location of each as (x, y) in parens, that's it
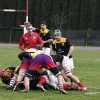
(53, 82)
(6, 74)
(39, 80)
(8, 77)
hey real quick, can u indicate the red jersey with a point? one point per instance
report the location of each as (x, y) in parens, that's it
(36, 63)
(42, 60)
(30, 41)
(25, 64)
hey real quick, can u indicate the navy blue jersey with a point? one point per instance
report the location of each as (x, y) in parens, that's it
(45, 38)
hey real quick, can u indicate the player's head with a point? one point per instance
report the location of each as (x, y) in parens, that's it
(7, 74)
(27, 24)
(57, 33)
(29, 29)
(43, 26)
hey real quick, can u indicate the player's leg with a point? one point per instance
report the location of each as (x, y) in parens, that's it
(43, 79)
(20, 77)
(54, 69)
(41, 82)
(68, 67)
(59, 76)
(27, 83)
(53, 82)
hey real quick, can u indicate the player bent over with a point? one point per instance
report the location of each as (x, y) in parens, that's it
(35, 64)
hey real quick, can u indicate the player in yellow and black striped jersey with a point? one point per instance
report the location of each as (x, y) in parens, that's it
(63, 47)
(46, 36)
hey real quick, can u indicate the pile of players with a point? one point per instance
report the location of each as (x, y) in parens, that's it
(46, 60)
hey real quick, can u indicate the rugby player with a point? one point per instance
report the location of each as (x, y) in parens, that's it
(63, 48)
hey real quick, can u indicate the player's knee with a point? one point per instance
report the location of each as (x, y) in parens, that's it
(69, 74)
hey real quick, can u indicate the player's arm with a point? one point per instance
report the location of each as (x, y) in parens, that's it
(71, 47)
(71, 50)
(48, 41)
(21, 44)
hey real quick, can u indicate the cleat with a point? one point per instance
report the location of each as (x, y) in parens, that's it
(83, 89)
(41, 87)
(15, 88)
(9, 87)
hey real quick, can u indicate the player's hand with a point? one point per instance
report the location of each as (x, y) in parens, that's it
(48, 41)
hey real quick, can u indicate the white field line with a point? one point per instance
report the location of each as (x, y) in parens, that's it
(92, 93)
(94, 88)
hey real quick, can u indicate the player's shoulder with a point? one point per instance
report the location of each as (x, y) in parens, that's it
(66, 38)
(35, 33)
(63, 39)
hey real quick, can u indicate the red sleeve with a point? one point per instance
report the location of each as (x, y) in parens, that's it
(40, 41)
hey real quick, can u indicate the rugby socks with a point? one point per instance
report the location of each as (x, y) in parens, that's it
(67, 86)
(60, 78)
(60, 83)
(12, 81)
(42, 80)
(81, 87)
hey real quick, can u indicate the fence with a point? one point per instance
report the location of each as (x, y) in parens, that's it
(10, 35)
(83, 38)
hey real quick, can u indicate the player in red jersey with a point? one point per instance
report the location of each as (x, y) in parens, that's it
(30, 39)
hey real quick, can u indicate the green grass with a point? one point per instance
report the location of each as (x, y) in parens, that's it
(87, 67)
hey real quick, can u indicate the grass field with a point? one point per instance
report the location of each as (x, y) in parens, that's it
(87, 64)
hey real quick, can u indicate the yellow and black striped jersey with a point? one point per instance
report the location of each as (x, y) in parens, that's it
(61, 45)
